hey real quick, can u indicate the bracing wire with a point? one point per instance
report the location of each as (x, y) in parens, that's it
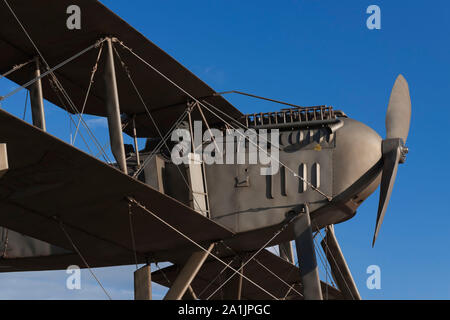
(127, 71)
(329, 198)
(25, 107)
(57, 82)
(283, 227)
(91, 82)
(267, 269)
(83, 259)
(133, 241)
(141, 206)
(334, 260)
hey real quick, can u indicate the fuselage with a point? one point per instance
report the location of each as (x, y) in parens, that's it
(332, 168)
(332, 172)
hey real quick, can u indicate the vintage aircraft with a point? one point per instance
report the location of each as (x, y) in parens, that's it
(60, 206)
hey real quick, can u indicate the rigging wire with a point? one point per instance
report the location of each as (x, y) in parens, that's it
(71, 122)
(291, 287)
(83, 259)
(49, 71)
(339, 269)
(267, 269)
(91, 82)
(76, 111)
(217, 277)
(156, 70)
(258, 97)
(133, 242)
(57, 82)
(329, 198)
(164, 274)
(71, 104)
(160, 144)
(107, 145)
(25, 108)
(320, 254)
(284, 226)
(127, 71)
(326, 270)
(313, 187)
(324, 264)
(15, 68)
(141, 206)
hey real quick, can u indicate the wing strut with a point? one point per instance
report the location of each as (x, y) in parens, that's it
(306, 254)
(143, 283)
(113, 108)
(187, 274)
(3, 159)
(286, 251)
(37, 100)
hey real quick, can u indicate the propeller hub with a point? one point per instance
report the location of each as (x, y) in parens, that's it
(403, 152)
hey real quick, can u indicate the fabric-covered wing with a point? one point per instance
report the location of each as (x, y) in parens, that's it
(207, 281)
(45, 20)
(50, 181)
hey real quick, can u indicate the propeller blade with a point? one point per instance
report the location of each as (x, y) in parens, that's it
(391, 157)
(398, 114)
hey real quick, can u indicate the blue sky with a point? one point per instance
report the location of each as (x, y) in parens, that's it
(310, 53)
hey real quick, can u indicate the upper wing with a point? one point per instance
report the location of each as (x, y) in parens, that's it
(45, 21)
(50, 182)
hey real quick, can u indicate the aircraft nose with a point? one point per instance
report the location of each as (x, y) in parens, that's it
(358, 149)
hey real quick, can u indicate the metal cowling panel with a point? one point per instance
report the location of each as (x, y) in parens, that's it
(243, 200)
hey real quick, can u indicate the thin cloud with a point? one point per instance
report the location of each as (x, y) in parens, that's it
(97, 123)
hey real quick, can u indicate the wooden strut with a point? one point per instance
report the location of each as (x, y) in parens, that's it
(286, 251)
(136, 145)
(3, 159)
(306, 254)
(113, 109)
(190, 294)
(37, 100)
(187, 274)
(143, 283)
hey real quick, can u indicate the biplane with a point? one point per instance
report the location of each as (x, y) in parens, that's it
(60, 206)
